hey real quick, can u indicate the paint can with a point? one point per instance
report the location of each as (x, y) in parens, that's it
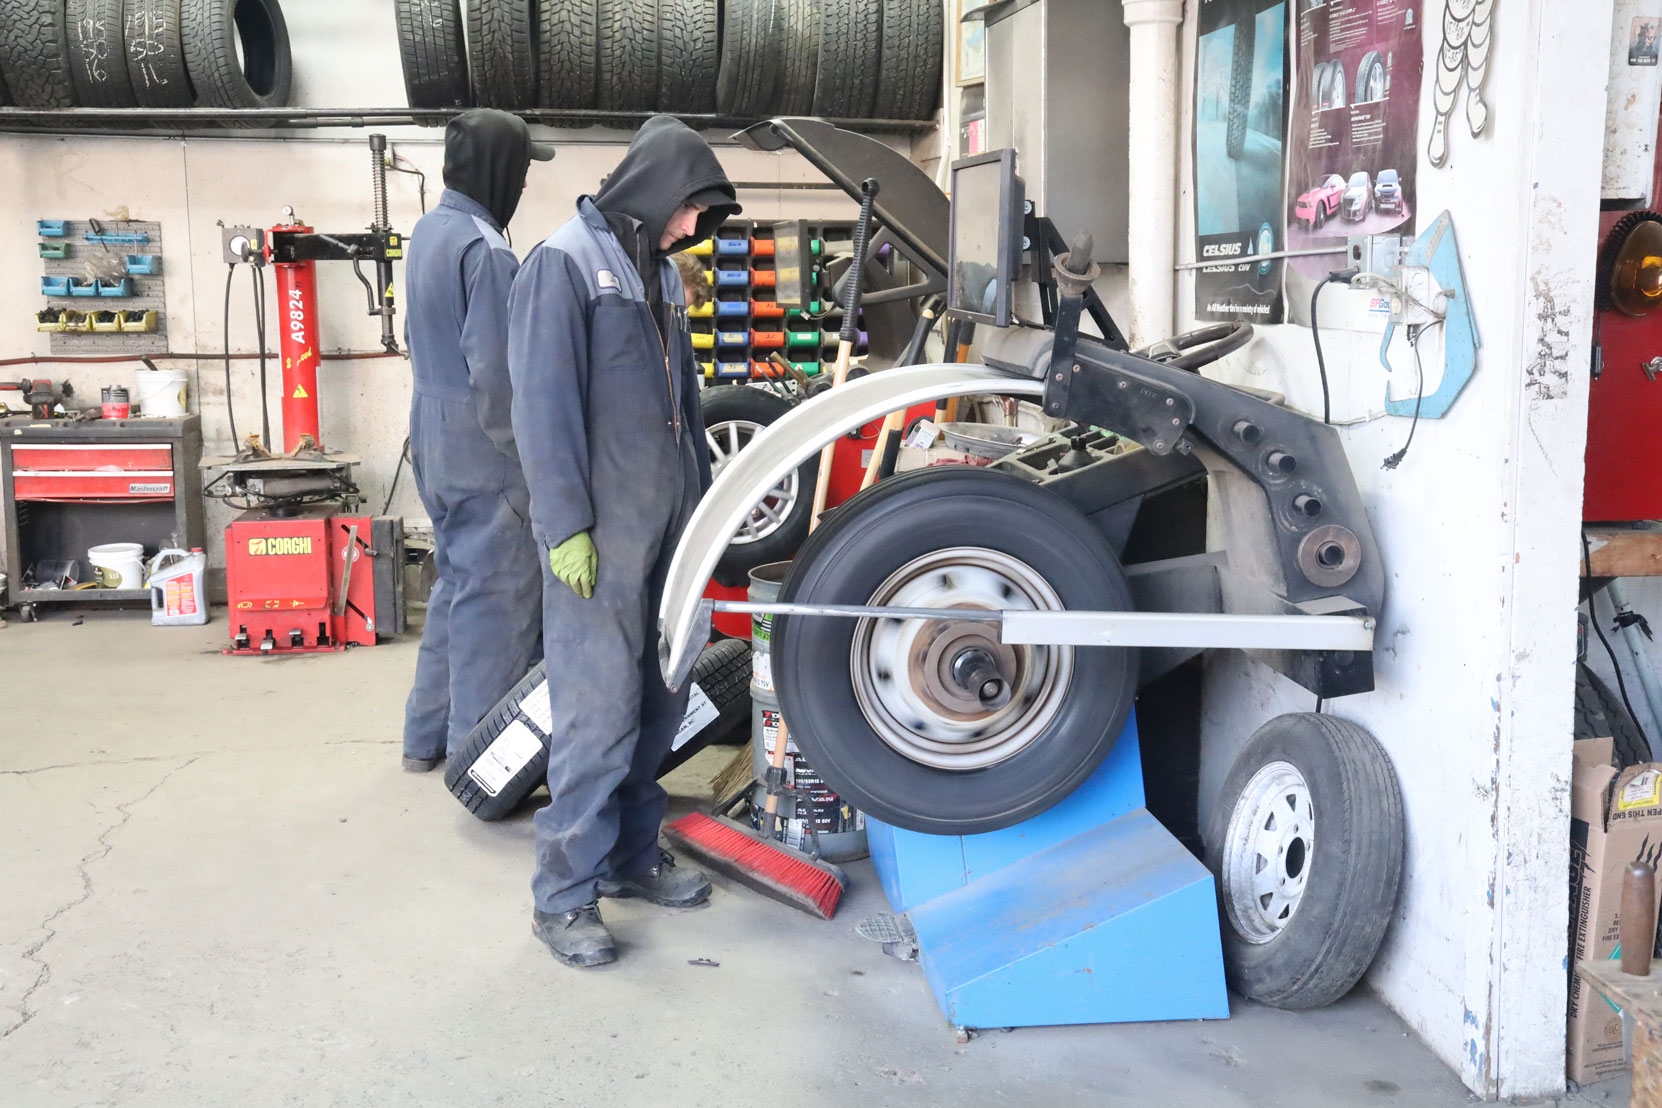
(161, 393)
(116, 404)
(119, 565)
(765, 584)
(841, 829)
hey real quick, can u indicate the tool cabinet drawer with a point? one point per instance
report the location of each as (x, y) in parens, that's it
(93, 456)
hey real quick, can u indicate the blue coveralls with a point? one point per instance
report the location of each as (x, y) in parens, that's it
(612, 436)
(483, 624)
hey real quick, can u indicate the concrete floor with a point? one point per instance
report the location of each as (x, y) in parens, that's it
(218, 888)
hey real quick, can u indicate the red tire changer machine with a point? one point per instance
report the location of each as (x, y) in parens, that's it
(306, 570)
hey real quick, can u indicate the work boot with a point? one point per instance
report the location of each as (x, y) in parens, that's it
(577, 937)
(664, 884)
(422, 765)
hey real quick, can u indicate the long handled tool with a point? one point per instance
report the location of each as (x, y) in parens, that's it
(753, 857)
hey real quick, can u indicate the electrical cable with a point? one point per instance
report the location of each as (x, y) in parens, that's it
(421, 183)
(259, 333)
(230, 411)
(1316, 334)
(1415, 335)
(1593, 613)
(403, 456)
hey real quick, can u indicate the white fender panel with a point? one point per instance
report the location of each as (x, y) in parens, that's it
(778, 450)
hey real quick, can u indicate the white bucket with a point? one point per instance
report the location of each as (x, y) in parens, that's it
(120, 565)
(177, 596)
(161, 392)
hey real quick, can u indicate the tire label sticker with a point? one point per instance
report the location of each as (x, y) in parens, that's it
(701, 712)
(506, 756)
(761, 670)
(1644, 791)
(536, 710)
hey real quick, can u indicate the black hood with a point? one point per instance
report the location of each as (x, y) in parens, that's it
(486, 156)
(668, 164)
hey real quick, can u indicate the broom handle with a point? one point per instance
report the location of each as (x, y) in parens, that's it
(777, 761)
(850, 332)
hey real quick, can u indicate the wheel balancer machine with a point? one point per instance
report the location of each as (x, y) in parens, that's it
(305, 569)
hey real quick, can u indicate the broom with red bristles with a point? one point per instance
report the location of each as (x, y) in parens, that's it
(751, 857)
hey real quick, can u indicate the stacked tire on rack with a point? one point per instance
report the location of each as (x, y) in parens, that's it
(144, 54)
(843, 59)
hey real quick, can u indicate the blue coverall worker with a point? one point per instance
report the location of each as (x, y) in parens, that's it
(483, 628)
(607, 417)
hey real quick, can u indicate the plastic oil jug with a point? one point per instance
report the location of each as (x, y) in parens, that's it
(177, 593)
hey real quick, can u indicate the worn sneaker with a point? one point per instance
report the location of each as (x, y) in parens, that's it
(422, 765)
(664, 883)
(577, 937)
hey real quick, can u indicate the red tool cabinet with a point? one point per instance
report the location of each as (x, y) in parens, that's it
(66, 486)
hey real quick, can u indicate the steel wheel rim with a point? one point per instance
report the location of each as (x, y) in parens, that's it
(896, 665)
(1268, 852)
(726, 439)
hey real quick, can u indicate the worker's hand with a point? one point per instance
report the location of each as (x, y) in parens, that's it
(574, 562)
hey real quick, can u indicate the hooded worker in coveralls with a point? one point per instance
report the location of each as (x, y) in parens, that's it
(479, 638)
(607, 418)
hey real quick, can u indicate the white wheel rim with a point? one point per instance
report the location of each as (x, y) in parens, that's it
(1268, 852)
(897, 666)
(725, 440)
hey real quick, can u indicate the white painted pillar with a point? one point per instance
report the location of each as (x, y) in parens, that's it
(1151, 141)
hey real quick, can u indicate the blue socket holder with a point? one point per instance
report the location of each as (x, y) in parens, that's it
(144, 265)
(727, 309)
(733, 369)
(732, 338)
(51, 228)
(732, 278)
(54, 286)
(123, 287)
(727, 247)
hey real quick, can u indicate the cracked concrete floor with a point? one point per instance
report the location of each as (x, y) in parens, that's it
(216, 887)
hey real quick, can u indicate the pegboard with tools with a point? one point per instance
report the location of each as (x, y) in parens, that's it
(735, 333)
(101, 286)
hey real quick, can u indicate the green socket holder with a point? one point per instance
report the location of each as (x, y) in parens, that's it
(54, 249)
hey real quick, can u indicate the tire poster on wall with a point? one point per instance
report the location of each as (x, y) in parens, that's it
(1353, 141)
(1239, 138)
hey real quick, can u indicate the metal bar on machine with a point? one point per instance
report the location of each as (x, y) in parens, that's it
(1172, 629)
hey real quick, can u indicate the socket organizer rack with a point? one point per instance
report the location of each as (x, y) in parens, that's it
(735, 334)
(101, 316)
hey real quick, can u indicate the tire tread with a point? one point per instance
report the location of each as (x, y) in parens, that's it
(432, 53)
(909, 71)
(34, 53)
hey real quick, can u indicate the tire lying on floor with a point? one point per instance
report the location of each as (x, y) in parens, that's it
(936, 726)
(259, 75)
(733, 416)
(34, 53)
(505, 758)
(431, 49)
(1306, 840)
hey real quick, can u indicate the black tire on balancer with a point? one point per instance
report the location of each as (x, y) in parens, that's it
(156, 54)
(749, 69)
(98, 54)
(689, 33)
(845, 82)
(264, 73)
(34, 53)
(909, 73)
(567, 41)
(502, 53)
(868, 540)
(433, 54)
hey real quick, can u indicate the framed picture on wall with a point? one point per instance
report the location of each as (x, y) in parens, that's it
(972, 45)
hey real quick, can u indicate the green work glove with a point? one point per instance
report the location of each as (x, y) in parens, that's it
(574, 562)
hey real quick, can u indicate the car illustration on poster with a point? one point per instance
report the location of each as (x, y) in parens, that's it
(1387, 191)
(1358, 200)
(1317, 205)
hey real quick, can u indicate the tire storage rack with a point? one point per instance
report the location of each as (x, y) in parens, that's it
(224, 54)
(736, 332)
(103, 286)
(841, 59)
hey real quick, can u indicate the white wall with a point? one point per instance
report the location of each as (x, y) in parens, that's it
(346, 54)
(1478, 529)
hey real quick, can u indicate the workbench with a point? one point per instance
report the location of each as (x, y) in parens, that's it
(68, 485)
(1640, 1000)
(1620, 550)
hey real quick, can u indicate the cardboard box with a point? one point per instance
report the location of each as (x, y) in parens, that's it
(1615, 818)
